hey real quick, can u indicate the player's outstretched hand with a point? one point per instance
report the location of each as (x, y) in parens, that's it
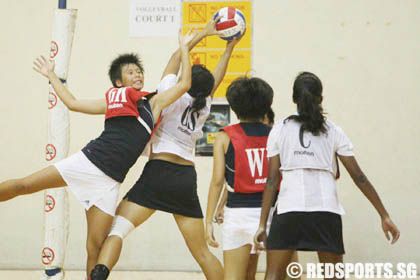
(210, 236)
(185, 39)
(389, 227)
(44, 66)
(260, 239)
(210, 28)
(232, 43)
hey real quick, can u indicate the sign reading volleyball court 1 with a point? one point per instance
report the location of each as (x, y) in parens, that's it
(154, 18)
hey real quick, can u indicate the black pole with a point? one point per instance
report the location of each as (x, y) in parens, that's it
(62, 4)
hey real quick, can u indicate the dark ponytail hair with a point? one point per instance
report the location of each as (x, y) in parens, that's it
(201, 86)
(307, 94)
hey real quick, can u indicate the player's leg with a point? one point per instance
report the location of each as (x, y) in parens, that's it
(236, 262)
(98, 226)
(328, 257)
(251, 270)
(129, 216)
(192, 230)
(277, 262)
(46, 178)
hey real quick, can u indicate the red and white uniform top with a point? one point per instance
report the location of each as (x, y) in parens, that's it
(128, 127)
(251, 164)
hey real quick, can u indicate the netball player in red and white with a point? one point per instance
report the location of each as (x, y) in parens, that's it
(169, 180)
(240, 159)
(251, 270)
(304, 147)
(95, 173)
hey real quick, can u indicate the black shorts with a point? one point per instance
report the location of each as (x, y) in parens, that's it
(306, 231)
(167, 187)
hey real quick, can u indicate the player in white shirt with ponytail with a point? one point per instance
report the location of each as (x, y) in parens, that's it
(169, 181)
(304, 147)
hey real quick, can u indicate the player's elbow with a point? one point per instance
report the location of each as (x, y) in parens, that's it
(185, 85)
(72, 106)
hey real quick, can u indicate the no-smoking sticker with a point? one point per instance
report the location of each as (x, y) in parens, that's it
(49, 203)
(52, 100)
(47, 256)
(54, 49)
(50, 152)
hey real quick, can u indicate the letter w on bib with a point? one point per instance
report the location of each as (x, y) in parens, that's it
(256, 160)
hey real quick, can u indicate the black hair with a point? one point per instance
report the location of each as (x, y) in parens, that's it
(307, 94)
(117, 64)
(202, 83)
(250, 98)
(270, 116)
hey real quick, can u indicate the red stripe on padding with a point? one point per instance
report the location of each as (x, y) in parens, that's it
(225, 25)
(231, 13)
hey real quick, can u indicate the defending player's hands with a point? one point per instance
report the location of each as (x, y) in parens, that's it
(210, 28)
(43, 66)
(232, 43)
(185, 39)
(211, 240)
(389, 227)
(260, 239)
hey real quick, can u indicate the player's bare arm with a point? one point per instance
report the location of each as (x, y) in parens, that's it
(161, 101)
(369, 191)
(46, 68)
(174, 62)
(220, 70)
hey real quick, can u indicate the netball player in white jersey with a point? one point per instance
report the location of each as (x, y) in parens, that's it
(95, 173)
(304, 146)
(169, 181)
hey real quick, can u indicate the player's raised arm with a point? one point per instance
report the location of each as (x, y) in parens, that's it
(46, 68)
(161, 101)
(175, 61)
(220, 70)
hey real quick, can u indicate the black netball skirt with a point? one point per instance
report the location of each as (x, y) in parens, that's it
(306, 231)
(167, 187)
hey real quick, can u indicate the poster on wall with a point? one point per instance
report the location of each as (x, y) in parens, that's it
(196, 14)
(154, 18)
(219, 117)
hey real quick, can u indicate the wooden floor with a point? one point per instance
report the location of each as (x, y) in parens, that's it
(118, 275)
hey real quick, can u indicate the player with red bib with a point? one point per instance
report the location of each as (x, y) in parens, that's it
(240, 158)
(95, 173)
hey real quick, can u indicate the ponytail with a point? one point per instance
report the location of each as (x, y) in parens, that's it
(307, 94)
(199, 102)
(201, 86)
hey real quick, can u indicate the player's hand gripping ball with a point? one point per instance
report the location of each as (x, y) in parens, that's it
(231, 23)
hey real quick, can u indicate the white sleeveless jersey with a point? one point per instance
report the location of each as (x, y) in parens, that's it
(308, 166)
(179, 127)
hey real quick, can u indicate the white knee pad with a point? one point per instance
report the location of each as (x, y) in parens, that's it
(121, 227)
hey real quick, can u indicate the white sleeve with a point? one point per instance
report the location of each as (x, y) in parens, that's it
(273, 147)
(343, 145)
(167, 82)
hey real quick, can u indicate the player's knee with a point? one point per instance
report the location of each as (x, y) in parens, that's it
(203, 256)
(93, 247)
(121, 227)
